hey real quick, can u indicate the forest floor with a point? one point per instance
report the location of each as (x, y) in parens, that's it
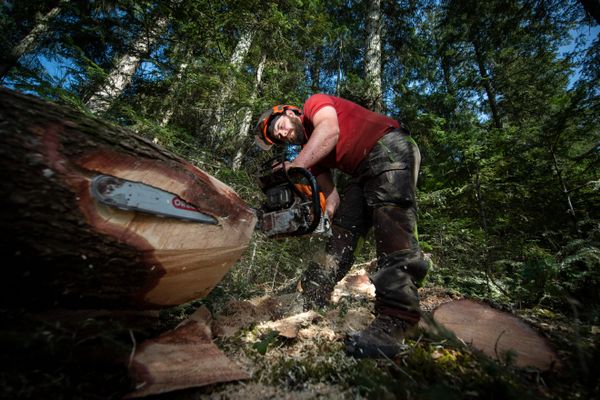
(283, 352)
(290, 354)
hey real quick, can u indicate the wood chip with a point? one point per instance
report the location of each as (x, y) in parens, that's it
(354, 285)
(181, 358)
(290, 327)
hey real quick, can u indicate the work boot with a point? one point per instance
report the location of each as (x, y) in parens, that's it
(383, 338)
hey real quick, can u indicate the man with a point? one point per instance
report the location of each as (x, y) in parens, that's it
(384, 161)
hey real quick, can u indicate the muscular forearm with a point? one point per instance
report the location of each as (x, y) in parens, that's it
(322, 140)
(319, 145)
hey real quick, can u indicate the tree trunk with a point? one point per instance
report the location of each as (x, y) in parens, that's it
(173, 90)
(480, 202)
(235, 63)
(30, 41)
(487, 85)
(338, 81)
(450, 89)
(120, 77)
(60, 247)
(247, 120)
(566, 191)
(373, 56)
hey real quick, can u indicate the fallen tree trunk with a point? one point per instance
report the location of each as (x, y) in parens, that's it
(60, 247)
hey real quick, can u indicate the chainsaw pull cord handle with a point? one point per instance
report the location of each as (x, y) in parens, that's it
(316, 203)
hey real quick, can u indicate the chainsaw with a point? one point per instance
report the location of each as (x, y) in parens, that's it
(293, 205)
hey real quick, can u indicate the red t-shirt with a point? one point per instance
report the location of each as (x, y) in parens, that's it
(360, 129)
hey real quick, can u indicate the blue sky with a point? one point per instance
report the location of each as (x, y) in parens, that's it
(588, 34)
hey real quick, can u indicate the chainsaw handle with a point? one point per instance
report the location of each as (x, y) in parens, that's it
(316, 202)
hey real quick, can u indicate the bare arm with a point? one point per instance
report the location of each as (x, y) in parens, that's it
(323, 139)
(332, 197)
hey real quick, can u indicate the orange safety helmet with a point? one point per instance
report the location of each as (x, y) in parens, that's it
(263, 136)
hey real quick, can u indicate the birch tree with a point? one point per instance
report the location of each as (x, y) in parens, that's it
(235, 63)
(125, 67)
(247, 120)
(29, 43)
(169, 108)
(373, 56)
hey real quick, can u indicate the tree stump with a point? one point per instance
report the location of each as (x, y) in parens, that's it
(496, 333)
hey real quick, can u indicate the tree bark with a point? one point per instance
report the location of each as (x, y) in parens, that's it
(338, 81)
(120, 77)
(247, 120)
(237, 58)
(485, 81)
(315, 70)
(60, 247)
(373, 56)
(480, 202)
(174, 89)
(565, 190)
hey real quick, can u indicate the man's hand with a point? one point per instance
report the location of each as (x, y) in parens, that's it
(333, 201)
(286, 165)
(332, 197)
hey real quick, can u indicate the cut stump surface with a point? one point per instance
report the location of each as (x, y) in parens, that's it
(496, 333)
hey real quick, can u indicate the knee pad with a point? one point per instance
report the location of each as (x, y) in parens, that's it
(406, 261)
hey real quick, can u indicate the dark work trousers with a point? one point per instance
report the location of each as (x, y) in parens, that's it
(382, 196)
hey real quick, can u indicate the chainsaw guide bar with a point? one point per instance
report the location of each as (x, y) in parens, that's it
(136, 196)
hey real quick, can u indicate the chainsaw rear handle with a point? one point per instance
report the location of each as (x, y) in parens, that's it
(316, 203)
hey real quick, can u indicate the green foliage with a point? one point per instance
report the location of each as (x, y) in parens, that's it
(533, 280)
